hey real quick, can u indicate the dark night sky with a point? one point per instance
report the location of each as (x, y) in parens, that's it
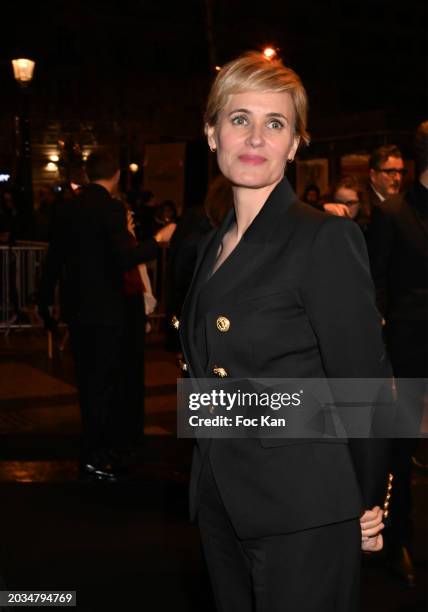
(106, 57)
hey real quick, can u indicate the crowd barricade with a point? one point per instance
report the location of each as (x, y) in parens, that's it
(20, 270)
(21, 267)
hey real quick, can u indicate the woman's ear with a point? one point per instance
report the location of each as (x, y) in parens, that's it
(210, 132)
(294, 147)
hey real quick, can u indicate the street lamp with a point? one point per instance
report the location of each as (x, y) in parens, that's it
(23, 72)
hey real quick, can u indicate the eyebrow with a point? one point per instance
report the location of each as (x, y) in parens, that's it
(245, 110)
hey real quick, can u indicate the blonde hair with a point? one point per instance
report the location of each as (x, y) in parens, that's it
(253, 72)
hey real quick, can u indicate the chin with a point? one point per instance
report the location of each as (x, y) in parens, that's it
(252, 181)
(250, 184)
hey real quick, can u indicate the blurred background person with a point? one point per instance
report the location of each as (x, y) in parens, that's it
(347, 192)
(90, 240)
(398, 251)
(311, 196)
(144, 208)
(165, 213)
(386, 171)
(139, 303)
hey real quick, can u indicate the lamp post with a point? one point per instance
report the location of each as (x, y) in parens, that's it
(23, 72)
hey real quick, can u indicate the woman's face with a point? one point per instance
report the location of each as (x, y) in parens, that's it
(254, 137)
(350, 198)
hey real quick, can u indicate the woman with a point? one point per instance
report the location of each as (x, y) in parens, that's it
(271, 297)
(347, 192)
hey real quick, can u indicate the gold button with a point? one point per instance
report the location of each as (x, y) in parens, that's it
(388, 496)
(211, 409)
(385, 505)
(220, 372)
(175, 322)
(389, 487)
(391, 477)
(223, 324)
(385, 514)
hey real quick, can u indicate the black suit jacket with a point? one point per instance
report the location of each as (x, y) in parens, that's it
(90, 242)
(398, 251)
(300, 301)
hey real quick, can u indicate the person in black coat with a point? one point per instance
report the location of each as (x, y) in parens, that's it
(280, 291)
(91, 243)
(398, 250)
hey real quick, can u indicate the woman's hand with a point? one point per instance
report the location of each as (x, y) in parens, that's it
(339, 210)
(371, 526)
(165, 233)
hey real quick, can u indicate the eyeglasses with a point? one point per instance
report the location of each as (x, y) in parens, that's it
(392, 171)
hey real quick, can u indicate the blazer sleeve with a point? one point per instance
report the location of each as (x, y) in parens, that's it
(339, 298)
(380, 238)
(125, 253)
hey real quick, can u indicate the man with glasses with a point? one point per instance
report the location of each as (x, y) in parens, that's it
(386, 168)
(386, 173)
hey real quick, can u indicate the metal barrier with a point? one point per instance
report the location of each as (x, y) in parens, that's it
(20, 271)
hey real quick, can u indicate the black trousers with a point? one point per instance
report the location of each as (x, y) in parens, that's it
(131, 427)
(97, 352)
(316, 570)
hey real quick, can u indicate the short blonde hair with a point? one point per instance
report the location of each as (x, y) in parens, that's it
(253, 72)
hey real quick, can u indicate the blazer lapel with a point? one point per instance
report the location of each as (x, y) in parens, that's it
(205, 292)
(249, 254)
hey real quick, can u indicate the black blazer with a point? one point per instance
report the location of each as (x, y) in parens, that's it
(300, 302)
(91, 243)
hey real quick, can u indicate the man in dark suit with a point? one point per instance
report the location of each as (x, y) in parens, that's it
(398, 252)
(386, 171)
(91, 245)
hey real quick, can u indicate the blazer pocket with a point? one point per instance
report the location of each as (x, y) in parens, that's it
(264, 293)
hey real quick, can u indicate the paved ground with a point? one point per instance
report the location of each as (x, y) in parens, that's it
(125, 547)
